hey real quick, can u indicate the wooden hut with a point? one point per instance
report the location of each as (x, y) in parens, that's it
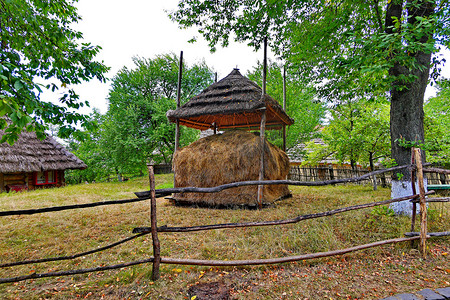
(235, 102)
(31, 163)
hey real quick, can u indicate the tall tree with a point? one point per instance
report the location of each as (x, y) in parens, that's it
(358, 132)
(39, 50)
(328, 41)
(136, 127)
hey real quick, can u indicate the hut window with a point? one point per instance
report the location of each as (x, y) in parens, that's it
(46, 177)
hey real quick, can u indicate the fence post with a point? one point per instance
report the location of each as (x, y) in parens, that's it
(413, 188)
(423, 207)
(156, 244)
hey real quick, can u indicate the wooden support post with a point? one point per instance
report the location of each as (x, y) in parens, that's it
(180, 75)
(154, 226)
(177, 123)
(261, 169)
(413, 188)
(423, 206)
(214, 127)
(264, 75)
(284, 106)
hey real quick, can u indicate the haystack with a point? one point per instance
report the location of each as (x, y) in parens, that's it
(230, 157)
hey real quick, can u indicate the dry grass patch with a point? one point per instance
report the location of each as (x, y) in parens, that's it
(369, 274)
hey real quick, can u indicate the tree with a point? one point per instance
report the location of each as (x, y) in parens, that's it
(89, 146)
(330, 41)
(358, 132)
(136, 128)
(40, 51)
(300, 104)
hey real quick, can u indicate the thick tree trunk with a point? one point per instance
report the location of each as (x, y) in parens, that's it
(407, 99)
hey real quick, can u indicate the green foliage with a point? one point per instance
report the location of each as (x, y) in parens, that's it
(38, 45)
(358, 132)
(135, 129)
(300, 104)
(383, 211)
(437, 120)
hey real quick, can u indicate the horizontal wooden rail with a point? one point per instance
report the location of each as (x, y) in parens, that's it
(436, 170)
(269, 182)
(68, 207)
(430, 200)
(34, 261)
(165, 192)
(197, 262)
(276, 222)
(74, 272)
(431, 234)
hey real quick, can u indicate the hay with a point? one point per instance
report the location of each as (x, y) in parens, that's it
(229, 157)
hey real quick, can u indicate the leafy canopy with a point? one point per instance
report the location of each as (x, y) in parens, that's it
(38, 45)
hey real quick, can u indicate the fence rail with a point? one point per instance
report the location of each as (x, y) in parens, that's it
(154, 229)
(330, 172)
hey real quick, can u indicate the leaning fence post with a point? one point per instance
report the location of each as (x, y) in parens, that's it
(156, 244)
(423, 207)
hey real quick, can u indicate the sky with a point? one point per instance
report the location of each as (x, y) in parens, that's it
(125, 29)
(143, 28)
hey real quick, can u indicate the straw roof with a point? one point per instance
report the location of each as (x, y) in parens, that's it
(233, 102)
(29, 154)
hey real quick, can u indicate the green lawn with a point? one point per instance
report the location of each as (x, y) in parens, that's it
(368, 274)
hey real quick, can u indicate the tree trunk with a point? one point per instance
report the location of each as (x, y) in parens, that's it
(371, 170)
(407, 99)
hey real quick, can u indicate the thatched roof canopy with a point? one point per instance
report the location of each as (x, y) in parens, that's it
(29, 154)
(233, 102)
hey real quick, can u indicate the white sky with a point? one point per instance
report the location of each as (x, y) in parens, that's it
(142, 28)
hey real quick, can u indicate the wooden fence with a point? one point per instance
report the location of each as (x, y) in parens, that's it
(417, 171)
(330, 172)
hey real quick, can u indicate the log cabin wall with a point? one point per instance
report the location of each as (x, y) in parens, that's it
(28, 180)
(2, 183)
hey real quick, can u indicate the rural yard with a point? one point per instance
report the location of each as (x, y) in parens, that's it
(368, 274)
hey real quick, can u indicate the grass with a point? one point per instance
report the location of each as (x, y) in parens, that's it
(369, 274)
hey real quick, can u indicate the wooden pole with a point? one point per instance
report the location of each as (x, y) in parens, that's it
(261, 169)
(154, 226)
(284, 106)
(423, 207)
(177, 122)
(180, 75)
(413, 186)
(264, 75)
(262, 128)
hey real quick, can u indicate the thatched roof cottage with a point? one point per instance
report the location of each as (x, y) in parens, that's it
(31, 163)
